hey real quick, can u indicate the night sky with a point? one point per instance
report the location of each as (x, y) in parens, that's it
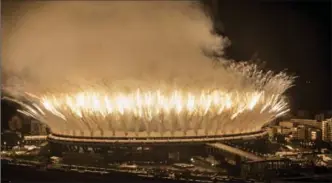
(292, 35)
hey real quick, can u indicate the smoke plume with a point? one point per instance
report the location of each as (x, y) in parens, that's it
(60, 45)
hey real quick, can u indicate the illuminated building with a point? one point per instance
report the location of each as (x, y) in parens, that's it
(315, 134)
(301, 133)
(286, 124)
(327, 130)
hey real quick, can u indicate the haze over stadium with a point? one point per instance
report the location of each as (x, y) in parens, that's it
(134, 69)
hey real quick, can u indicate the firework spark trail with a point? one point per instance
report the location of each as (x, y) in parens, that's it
(162, 113)
(158, 113)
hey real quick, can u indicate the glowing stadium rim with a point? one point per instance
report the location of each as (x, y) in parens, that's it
(64, 139)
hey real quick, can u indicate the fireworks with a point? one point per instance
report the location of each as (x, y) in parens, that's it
(156, 112)
(102, 110)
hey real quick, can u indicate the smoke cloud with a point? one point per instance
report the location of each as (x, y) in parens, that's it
(63, 44)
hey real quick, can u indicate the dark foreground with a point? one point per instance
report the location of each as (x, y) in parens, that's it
(17, 173)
